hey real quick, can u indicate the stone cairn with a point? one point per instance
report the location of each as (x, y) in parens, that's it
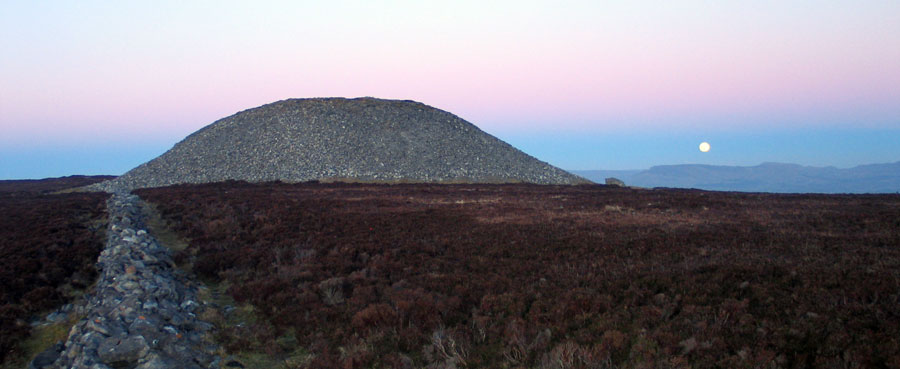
(142, 313)
(615, 182)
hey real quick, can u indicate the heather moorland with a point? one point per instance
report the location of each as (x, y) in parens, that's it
(371, 275)
(48, 246)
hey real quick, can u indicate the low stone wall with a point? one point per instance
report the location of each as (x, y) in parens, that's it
(142, 312)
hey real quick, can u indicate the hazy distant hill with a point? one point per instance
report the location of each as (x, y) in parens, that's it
(766, 177)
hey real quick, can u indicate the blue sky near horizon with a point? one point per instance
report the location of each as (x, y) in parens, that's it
(59, 161)
(842, 148)
(848, 148)
(94, 87)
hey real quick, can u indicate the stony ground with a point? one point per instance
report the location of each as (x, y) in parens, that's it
(141, 313)
(363, 139)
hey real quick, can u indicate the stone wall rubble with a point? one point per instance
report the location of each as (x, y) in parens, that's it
(142, 313)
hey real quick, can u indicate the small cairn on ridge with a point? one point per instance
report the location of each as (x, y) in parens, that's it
(614, 182)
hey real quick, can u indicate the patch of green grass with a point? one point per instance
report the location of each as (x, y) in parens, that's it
(214, 295)
(299, 358)
(42, 337)
(160, 229)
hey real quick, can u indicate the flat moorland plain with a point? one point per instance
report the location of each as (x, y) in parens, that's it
(401, 276)
(48, 246)
(49, 185)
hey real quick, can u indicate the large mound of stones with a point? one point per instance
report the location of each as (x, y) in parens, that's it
(363, 139)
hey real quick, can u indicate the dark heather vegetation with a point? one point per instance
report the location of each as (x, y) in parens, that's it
(48, 246)
(50, 184)
(526, 276)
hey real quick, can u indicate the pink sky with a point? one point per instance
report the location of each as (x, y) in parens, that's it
(93, 71)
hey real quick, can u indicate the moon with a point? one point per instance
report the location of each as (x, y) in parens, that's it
(704, 146)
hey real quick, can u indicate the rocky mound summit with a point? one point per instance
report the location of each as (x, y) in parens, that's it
(363, 139)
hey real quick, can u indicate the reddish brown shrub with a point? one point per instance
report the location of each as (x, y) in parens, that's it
(47, 244)
(375, 316)
(625, 277)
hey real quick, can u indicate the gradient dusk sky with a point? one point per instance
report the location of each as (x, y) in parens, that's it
(98, 87)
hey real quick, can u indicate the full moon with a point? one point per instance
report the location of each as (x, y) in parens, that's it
(704, 146)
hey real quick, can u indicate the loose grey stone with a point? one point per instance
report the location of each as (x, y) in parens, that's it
(56, 316)
(189, 305)
(155, 361)
(47, 357)
(97, 325)
(364, 139)
(137, 313)
(120, 352)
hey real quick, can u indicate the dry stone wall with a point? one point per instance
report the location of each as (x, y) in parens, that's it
(142, 313)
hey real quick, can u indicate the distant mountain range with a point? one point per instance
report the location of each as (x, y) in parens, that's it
(766, 177)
